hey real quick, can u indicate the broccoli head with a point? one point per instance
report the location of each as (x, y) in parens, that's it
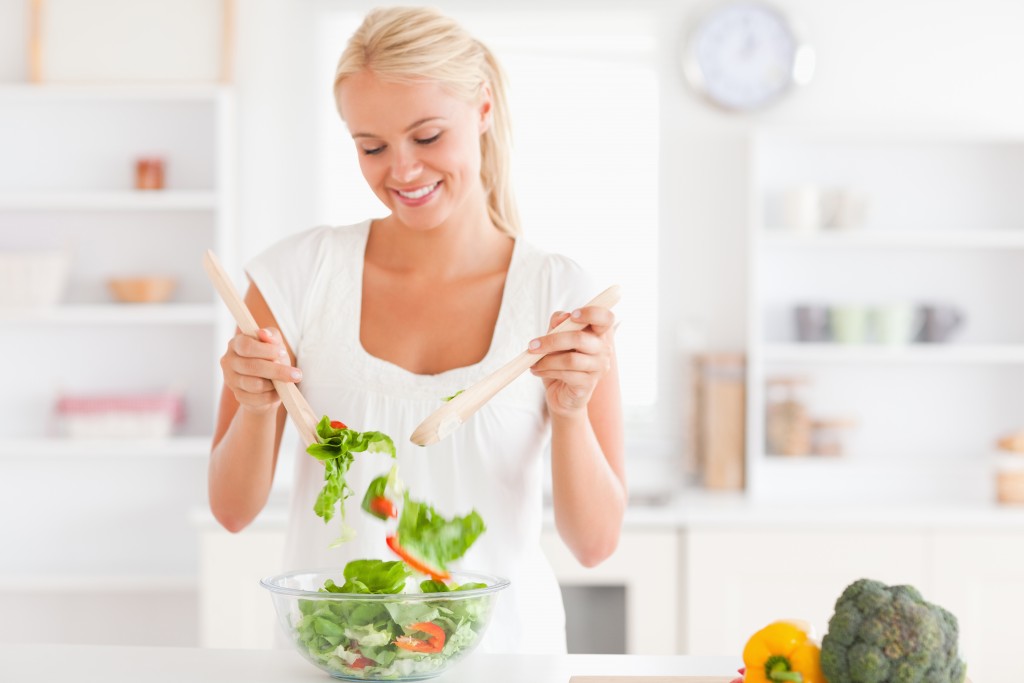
(890, 634)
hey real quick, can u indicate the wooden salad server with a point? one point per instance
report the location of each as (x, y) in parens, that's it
(452, 414)
(298, 408)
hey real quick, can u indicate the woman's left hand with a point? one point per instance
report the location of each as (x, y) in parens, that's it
(575, 361)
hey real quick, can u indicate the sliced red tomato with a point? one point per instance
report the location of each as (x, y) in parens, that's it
(383, 506)
(336, 424)
(417, 564)
(414, 644)
(435, 634)
(433, 643)
(362, 663)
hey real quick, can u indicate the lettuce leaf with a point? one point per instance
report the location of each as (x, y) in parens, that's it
(336, 449)
(431, 537)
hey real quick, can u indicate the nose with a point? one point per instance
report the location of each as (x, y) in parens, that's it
(405, 165)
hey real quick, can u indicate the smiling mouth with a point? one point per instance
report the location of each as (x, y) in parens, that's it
(420, 193)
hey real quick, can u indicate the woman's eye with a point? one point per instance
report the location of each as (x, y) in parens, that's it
(427, 141)
(373, 150)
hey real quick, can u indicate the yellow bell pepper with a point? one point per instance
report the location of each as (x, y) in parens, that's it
(782, 651)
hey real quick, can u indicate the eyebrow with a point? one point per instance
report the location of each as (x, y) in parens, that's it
(415, 124)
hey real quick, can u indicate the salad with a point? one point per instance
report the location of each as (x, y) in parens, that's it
(391, 638)
(382, 637)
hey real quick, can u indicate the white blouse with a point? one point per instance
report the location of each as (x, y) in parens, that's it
(312, 282)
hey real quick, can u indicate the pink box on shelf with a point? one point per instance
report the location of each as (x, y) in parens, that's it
(146, 416)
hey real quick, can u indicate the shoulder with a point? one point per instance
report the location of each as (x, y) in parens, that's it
(563, 282)
(314, 244)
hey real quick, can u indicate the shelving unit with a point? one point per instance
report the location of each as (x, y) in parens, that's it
(67, 182)
(44, 447)
(943, 225)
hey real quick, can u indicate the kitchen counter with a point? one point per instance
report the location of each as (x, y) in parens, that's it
(698, 509)
(121, 664)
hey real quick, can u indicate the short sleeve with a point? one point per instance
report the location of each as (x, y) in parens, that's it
(570, 286)
(285, 274)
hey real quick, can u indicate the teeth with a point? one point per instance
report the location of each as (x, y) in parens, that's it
(422, 192)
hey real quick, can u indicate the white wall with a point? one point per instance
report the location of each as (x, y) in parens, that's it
(919, 62)
(890, 62)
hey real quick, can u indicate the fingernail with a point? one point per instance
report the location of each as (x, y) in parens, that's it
(577, 313)
(269, 334)
(296, 375)
(282, 353)
(535, 344)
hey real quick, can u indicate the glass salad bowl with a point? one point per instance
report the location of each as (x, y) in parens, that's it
(405, 636)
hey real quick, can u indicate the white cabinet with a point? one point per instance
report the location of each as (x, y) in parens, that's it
(67, 182)
(646, 565)
(936, 221)
(741, 579)
(979, 576)
(737, 581)
(236, 613)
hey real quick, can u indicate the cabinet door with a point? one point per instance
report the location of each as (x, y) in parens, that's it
(739, 581)
(234, 610)
(646, 565)
(979, 577)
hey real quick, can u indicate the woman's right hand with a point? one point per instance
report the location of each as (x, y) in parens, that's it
(251, 365)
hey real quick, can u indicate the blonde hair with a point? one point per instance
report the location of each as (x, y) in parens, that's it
(408, 44)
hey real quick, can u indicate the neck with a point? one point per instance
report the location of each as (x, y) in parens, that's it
(461, 246)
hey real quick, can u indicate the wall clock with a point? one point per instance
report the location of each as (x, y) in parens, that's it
(745, 55)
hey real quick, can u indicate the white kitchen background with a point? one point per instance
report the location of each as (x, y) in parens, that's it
(916, 105)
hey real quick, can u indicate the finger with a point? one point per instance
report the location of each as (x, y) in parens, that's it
(581, 382)
(571, 361)
(268, 346)
(557, 318)
(584, 341)
(599, 318)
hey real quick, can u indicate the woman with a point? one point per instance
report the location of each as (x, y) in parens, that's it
(382, 319)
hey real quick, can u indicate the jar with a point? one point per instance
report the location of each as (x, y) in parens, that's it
(149, 173)
(1010, 479)
(787, 422)
(831, 436)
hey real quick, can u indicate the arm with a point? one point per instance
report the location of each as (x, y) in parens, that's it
(250, 419)
(587, 463)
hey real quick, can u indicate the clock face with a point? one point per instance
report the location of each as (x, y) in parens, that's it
(745, 55)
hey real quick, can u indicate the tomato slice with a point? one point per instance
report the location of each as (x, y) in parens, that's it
(434, 632)
(336, 424)
(417, 564)
(414, 644)
(362, 663)
(383, 506)
(434, 642)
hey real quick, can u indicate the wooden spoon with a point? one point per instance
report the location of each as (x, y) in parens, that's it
(298, 408)
(452, 414)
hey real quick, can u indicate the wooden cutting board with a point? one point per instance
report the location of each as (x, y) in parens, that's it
(652, 679)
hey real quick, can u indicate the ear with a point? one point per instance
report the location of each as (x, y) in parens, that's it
(486, 109)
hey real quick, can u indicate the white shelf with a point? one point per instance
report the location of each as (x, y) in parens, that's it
(114, 314)
(992, 354)
(25, 92)
(105, 583)
(50, 447)
(896, 239)
(127, 200)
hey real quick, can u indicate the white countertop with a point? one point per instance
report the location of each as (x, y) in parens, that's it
(695, 509)
(124, 664)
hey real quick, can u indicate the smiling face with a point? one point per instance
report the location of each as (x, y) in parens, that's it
(418, 147)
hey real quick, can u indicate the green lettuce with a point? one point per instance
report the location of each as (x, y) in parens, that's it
(434, 539)
(336, 449)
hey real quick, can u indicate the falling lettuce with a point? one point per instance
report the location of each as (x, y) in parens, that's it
(433, 539)
(336, 448)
